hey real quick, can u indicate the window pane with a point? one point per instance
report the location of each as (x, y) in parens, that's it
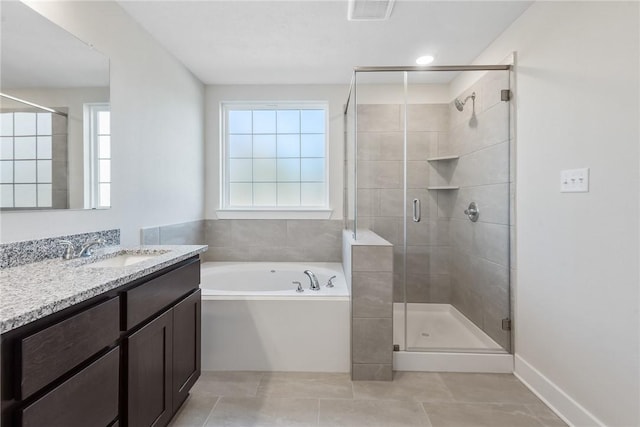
(312, 194)
(6, 196)
(240, 170)
(44, 195)
(105, 195)
(240, 194)
(289, 194)
(105, 170)
(264, 194)
(312, 170)
(25, 171)
(264, 170)
(264, 146)
(288, 121)
(44, 124)
(25, 195)
(288, 146)
(264, 121)
(239, 121)
(25, 124)
(6, 172)
(288, 170)
(6, 148)
(312, 145)
(239, 145)
(312, 121)
(44, 171)
(6, 124)
(104, 146)
(25, 148)
(104, 122)
(44, 147)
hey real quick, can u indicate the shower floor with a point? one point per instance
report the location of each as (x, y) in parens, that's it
(439, 327)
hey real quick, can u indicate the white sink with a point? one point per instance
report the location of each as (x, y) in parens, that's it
(122, 260)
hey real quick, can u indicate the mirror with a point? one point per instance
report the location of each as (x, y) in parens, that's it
(55, 143)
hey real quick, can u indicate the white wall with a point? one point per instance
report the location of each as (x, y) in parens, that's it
(336, 95)
(157, 131)
(577, 325)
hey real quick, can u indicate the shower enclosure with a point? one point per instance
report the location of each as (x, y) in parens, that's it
(427, 167)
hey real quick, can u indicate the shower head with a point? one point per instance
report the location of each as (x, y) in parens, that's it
(460, 104)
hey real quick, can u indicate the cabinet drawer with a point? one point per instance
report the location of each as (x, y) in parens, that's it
(145, 300)
(89, 398)
(50, 353)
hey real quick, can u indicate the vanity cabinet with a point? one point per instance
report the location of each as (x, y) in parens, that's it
(163, 359)
(127, 357)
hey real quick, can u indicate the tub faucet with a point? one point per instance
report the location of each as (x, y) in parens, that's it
(315, 285)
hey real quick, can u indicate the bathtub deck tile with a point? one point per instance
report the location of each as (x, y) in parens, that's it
(306, 384)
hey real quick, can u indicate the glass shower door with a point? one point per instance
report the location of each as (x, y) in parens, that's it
(456, 270)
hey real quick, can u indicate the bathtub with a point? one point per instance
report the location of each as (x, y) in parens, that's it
(254, 320)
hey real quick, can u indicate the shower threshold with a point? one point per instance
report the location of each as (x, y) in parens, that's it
(440, 338)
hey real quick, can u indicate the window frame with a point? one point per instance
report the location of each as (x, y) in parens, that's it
(92, 155)
(226, 210)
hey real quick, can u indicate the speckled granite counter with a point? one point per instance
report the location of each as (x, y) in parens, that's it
(30, 292)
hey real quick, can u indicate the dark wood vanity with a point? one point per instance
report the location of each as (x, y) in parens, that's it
(127, 357)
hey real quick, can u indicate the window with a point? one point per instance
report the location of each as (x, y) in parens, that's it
(274, 156)
(98, 155)
(26, 159)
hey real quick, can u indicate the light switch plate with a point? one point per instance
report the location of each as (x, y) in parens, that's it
(574, 180)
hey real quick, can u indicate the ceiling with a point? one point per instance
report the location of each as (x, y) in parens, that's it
(312, 42)
(36, 53)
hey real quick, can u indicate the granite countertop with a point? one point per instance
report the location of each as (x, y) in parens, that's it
(32, 291)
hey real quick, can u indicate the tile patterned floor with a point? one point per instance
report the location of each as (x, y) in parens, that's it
(268, 399)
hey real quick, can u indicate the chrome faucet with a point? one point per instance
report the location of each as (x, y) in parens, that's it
(87, 248)
(315, 285)
(69, 250)
(85, 251)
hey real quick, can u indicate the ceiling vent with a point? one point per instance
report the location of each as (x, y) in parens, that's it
(369, 10)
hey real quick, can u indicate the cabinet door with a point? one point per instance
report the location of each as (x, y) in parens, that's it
(186, 347)
(149, 357)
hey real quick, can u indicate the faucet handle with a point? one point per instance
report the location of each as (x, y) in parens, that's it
(299, 289)
(330, 282)
(69, 251)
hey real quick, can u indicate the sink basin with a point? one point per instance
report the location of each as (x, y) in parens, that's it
(122, 260)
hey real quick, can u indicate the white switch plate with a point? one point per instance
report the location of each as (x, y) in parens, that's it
(574, 180)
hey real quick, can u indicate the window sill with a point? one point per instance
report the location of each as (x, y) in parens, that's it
(274, 214)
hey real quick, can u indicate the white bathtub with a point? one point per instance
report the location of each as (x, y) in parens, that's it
(254, 320)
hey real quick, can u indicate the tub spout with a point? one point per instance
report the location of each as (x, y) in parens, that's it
(315, 285)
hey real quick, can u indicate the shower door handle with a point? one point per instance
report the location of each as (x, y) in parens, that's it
(416, 210)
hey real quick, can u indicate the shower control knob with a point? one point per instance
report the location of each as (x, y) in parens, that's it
(472, 212)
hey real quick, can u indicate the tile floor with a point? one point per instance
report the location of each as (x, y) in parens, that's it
(411, 399)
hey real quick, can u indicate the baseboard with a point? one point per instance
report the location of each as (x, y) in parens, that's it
(553, 396)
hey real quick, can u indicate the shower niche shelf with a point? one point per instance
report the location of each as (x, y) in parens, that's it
(443, 187)
(442, 158)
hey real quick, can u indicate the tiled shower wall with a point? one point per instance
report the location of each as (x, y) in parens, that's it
(380, 193)
(479, 262)
(256, 240)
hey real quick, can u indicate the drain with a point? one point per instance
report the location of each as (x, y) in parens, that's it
(424, 334)
(273, 271)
